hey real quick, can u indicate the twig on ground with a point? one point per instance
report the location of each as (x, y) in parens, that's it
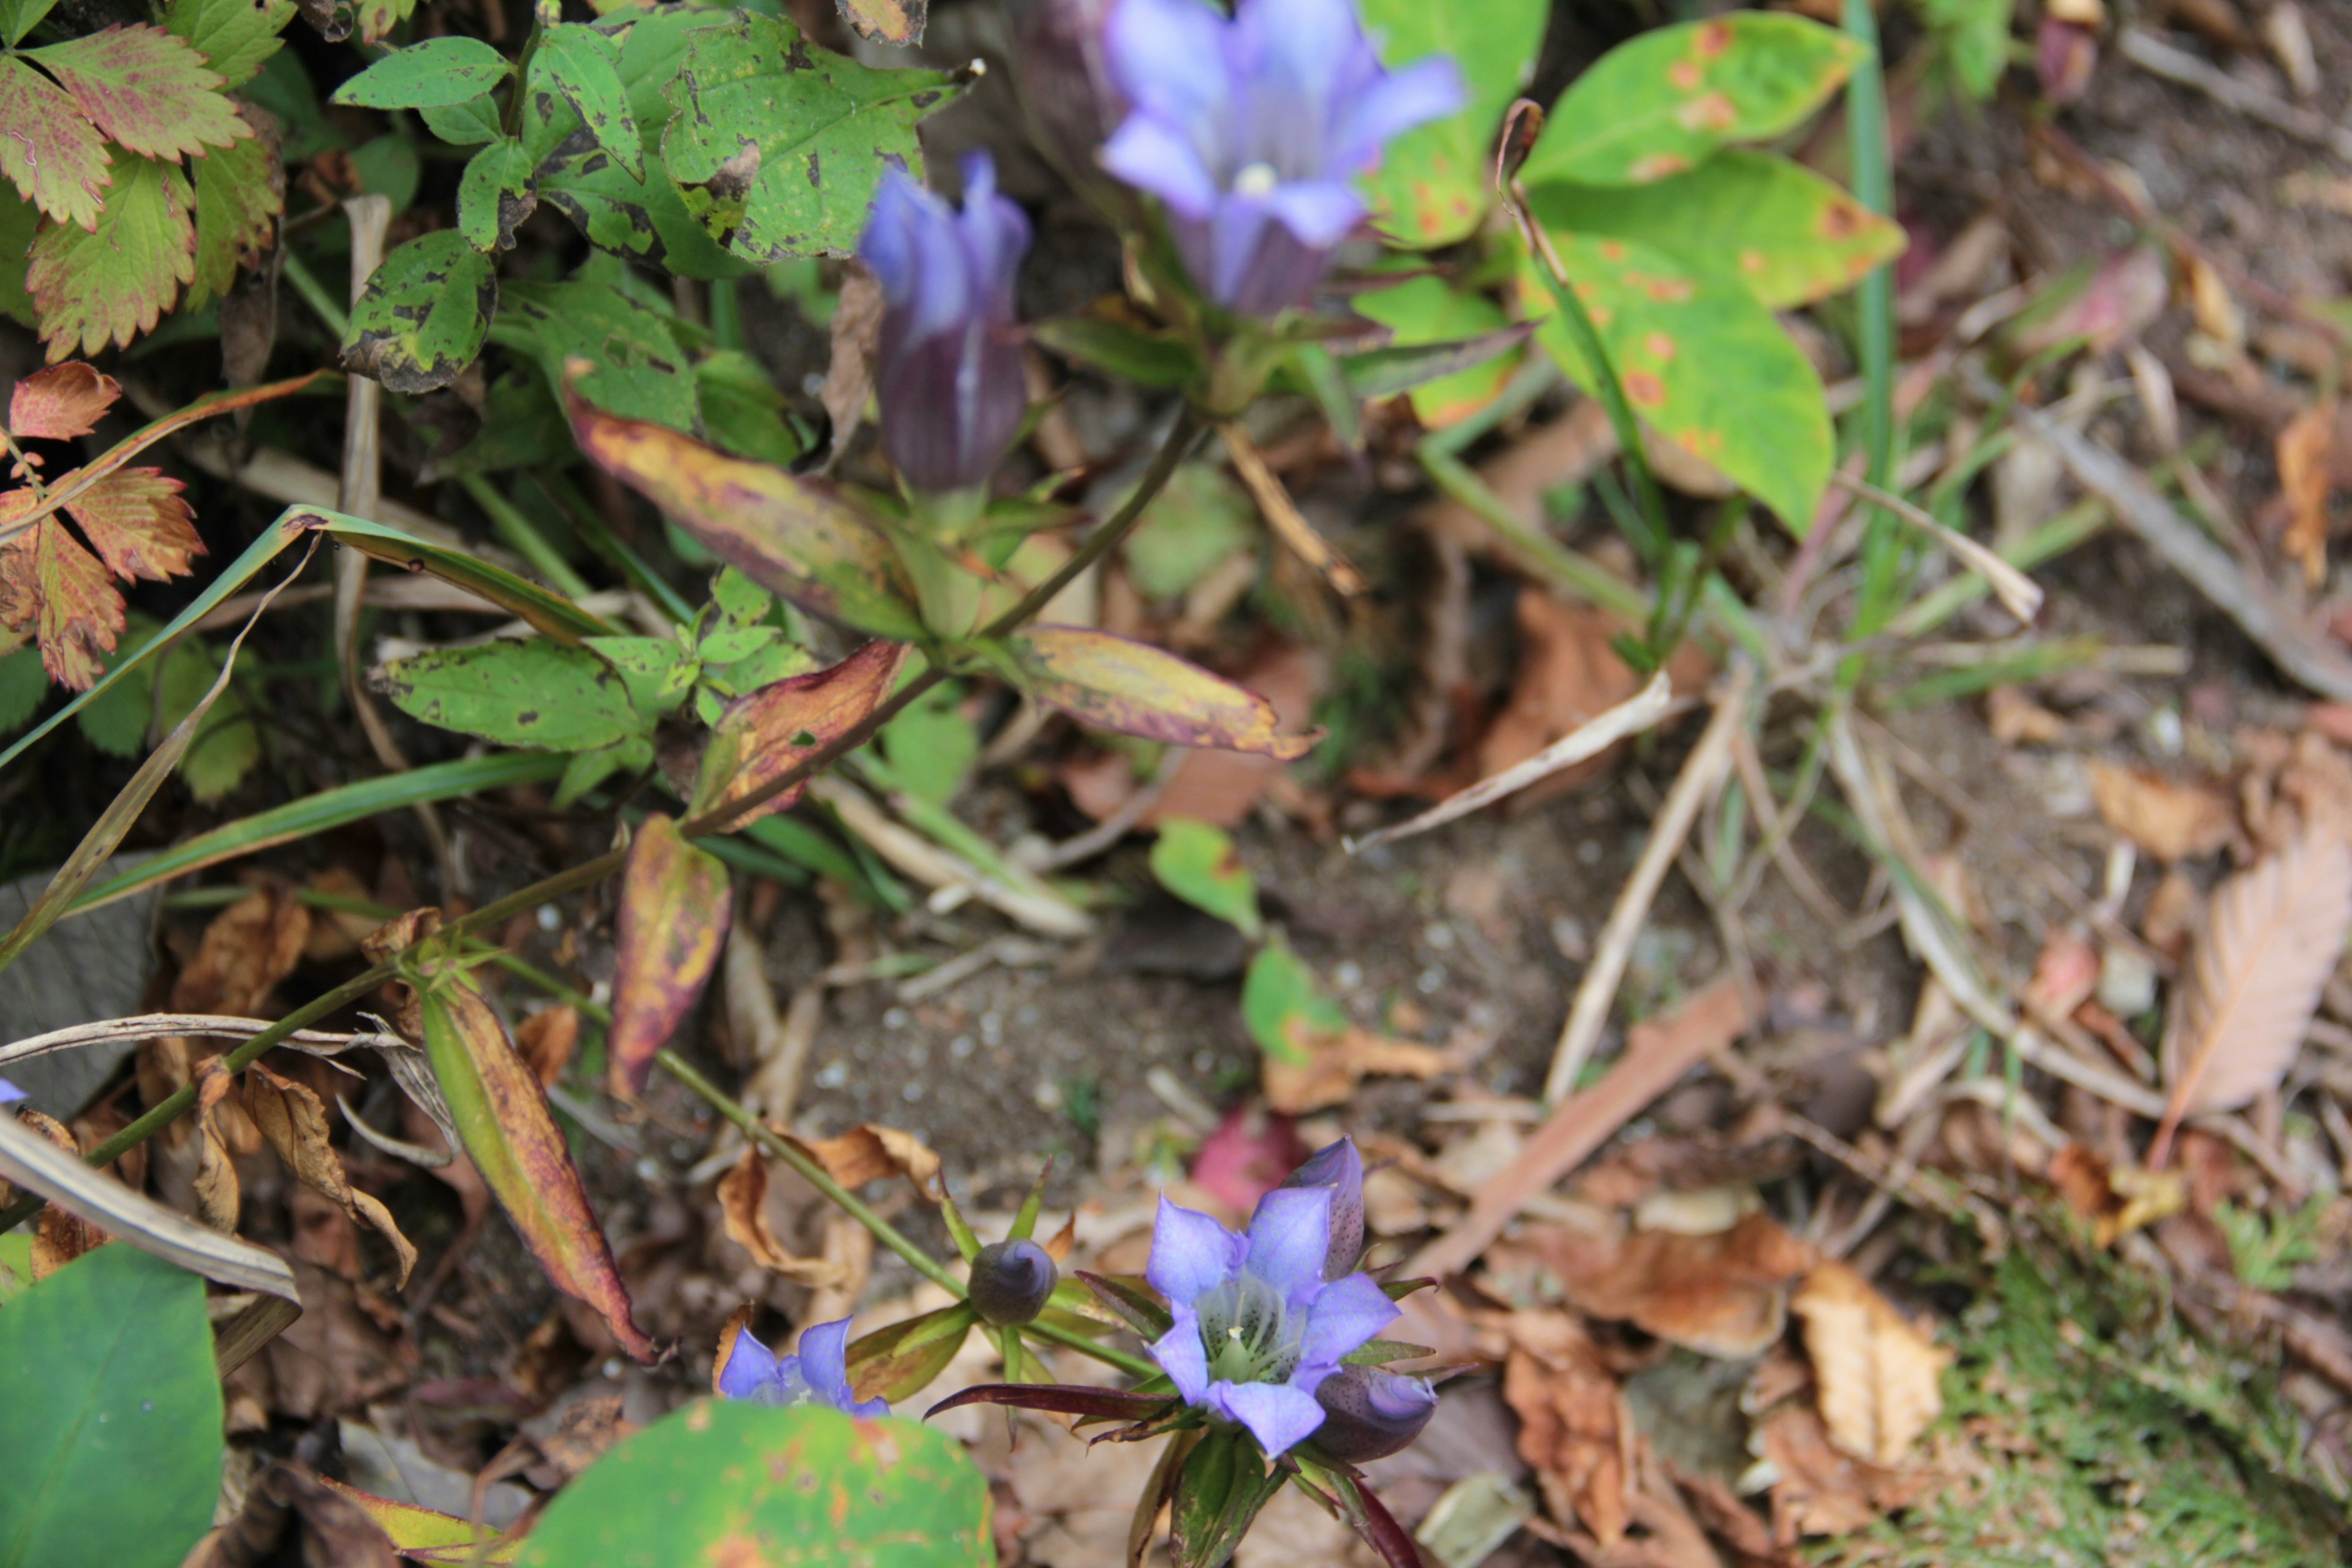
(201, 1026)
(1282, 513)
(2018, 592)
(2157, 57)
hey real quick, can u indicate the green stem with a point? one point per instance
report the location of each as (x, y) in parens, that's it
(314, 293)
(1885, 546)
(524, 537)
(591, 526)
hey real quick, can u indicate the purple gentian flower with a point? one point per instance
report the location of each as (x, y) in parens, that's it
(1339, 1167)
(819, 1375)
(1258, 1328)
(1251, 131)
(1368, 1414)
(950, 381)
(10, 1094)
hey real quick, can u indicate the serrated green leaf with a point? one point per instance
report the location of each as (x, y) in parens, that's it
(435, 73)
(466, 124)
(1661, 103)
(1433, 183)
(583, 65)
(53, 155)
(1283, 1006)
(494, 195)
(1430, 310)
(145, 89)
(19, 222)
(639, 369)
(1787, 235)
(112, 1438)
(535, 693)
(1702, 362)
(1196, 861)
(780, 145)
(236, 37)
(422, 318)
(240, 191)
(111, 285)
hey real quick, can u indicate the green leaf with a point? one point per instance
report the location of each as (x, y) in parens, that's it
(656, 672)
(111, 285)
(240, 191)
(376, 18)
(433, 74)
(523, 426)
(930, 746)
(283, 86)
(19, 17)
(19, 221)
(494, 196)
(388, 166)
(899, 1362)
(228, 743)
(532, 693)
(1225, 1482)
(112, 1440)
(236, 37)
(723, 1478)
(1196, 861)
(1974, 35)
(1702, 362)
(1281, 1003)
(1433, 181)
(59, 161)
(1157, 360)
(644, 218)
(422, 318)
(1661, 103)
(780, 145)
(22, 684)
(742, 409)
(466, 124)
(1783, 231)
(583, 65)
(741, 601)
(1200, 518)
(1426, 309)
(144, 90)
(639, 370)
(586, 770)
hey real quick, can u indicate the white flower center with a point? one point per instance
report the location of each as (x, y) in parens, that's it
(1258, 179)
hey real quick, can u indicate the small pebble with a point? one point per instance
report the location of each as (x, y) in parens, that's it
(896, 1018)
(1428, 981)
(913, 1091)
(1439, 935)
(962, 1046)
(832, 1075)
(1349, 974)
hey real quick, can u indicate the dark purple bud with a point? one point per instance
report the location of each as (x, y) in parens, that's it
(950, 381)
(1368, 1414)
(1063, 78)
(1339, 1167)
(1010, 1281)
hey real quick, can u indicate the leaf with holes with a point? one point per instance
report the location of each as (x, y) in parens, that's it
(51, 153)
(1433, 183)
(113, 283)
(423, 316)
(675, 908)
(494, 195)
(145, 89)
(433, 74)
(61, 402)
(780, 145)
(1703, 362)
(239, 194)
(761, 737)
(1786, 233)
(1131, 687)
(535, 693)
(1198, 863)
(583, 66)
(235, 38)
(1660, 103)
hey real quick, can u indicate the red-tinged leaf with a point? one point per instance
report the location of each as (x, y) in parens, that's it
(240, 191)
(52, 587)
(760, 737)
(61, 402)
(114, 283)
(675, 908)
(1133, 689)
(1378, 1526)
(1062, 1399)
(137, 523)
(502, 1115)
(146, 90)
(795, 537)
(898, 1363)
(51, 153)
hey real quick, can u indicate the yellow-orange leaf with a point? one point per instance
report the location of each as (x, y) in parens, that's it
(675, 908)
(52, 587)
(1880, 1377)
(61, 402)
(1116, 683)
(761, 737)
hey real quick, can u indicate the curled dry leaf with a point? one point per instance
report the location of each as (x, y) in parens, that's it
(849, 376)
(219, 1196)
(2272, 936)
(2171, 819)
(294, 1122)
(61, 1236)
(869, 1152)
(1335, 1063)
(1722, 1295)
(743, 1206)
(1574, 1427)
(547, 1039)
(1879, 1377)
(2116, 1200)
(1822, 1491)
(675, 903)
(2305, 450)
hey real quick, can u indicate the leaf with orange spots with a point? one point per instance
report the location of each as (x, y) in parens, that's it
(1704, 364)
(1787, 235)
(1661, 103)
(1434, 182)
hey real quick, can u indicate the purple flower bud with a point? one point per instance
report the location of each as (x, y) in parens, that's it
(950, 381)
(1064, 80)
(1251, 129)
(1368, 1414)
(1010, 1281)
(1339, 1167)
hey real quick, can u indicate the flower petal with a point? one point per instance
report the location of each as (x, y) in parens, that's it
(1429, 89)
(1339, 1167)
(1151, 155)
(10, 1093)
(825, 1362)
(1277, 1415)
(750, 1368)
(1289, 1236)
(1318, 211)
(1168, 57)
(1190, 1254)
(1349, 1312)
(1183, 1357)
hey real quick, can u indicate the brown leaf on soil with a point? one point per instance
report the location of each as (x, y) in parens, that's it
(2305, 450)
(337, 934)
(294, 1120)
(1722, 1295)
(849, 377)
(287, 1500)
(547, 1039)
(218, 1199)
(1575, 1429)
(246, 950)
(2272, 936)
(335, 1356)
(1879, 1377)
(58, 1238)
(869, 1152)
(2171, 917)
(1822, 1491)
(743, 1206)
(2171, 819)
(2115, 1199)
(1335, 1063)
(1729, 1516)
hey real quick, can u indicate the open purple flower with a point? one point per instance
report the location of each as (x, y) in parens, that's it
(10, 1093)
(819, 1375)
(950, 381)
(1258, 1328)
(1250, 131)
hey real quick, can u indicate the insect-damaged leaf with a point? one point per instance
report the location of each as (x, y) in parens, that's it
(675, 908)
(1133, 689)
(494, 195)
(760, 737)
(532, 693)
(793, 536)
(780, 145)
(502, 1115)
(145, 89)
(583, 65)
(422, 316)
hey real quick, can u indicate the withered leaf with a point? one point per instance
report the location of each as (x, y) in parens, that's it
(675, 904)
(294, 1122)
(1879, 1376)
(1574, 1427)
(1721, 1295)
(743, 1206)
(2171, 819)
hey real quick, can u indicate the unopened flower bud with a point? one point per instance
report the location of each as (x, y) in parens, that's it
(1064, 80)
(1010, 1281)
(1339, 1167)
(1368, 1414)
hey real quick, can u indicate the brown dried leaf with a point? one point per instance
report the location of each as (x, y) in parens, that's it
(2171, 819)
(1335, 1063)
(1575, 1429)
(1822, 1491)
(743, 1206)
(869, 1152)
(1569, 675)
(2115, 1199)
(61, 1236)
(1879, 1376)
(547, 1039)
(2304, 448)
(246, 950)
(1722, 1295)
(849, 377)
(2272, 937)
(218, 1198)
(294, 1122)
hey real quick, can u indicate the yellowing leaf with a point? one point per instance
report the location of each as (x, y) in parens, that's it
(135, 520)
(145, 89)
(675, 908)
(52, 587)
(760, 737)
(113, 283)
(1133, 689)
(1880, 1377)
(48, 148)
(61, 402)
